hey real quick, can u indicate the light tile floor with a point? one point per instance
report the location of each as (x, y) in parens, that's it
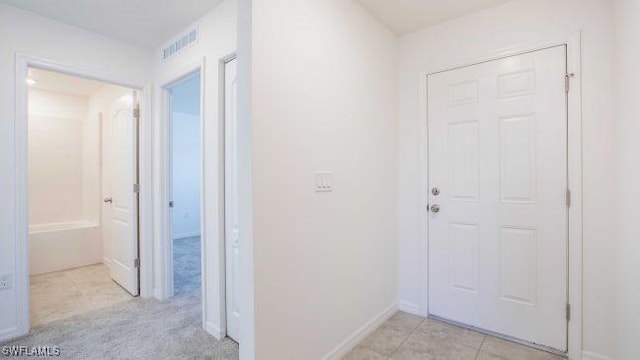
(62, 294)
(410, 337)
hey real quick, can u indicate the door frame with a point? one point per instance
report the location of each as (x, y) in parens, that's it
(574, 174)
(20, 136)
(212, 244)
(222, 74)
(168, 124)
(165, 289)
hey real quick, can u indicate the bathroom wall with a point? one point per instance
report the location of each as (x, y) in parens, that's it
(63, 227)
(55, 157)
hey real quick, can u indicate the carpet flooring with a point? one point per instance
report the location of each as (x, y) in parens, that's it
(62, 294)
(140, 328)
(186, 265)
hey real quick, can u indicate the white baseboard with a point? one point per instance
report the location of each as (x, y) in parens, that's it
(214, 330)
(107, 262)
(354, 339)
(409, 308)
(186, 235)
(587, 355)
(9, 334)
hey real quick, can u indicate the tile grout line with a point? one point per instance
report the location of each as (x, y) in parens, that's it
(480, 347)
(408, 336)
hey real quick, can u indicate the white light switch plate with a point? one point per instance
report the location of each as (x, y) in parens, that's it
(6, 281)
(324, 181)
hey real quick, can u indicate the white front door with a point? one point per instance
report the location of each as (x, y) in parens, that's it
(498, 173)
(121, 217)
(232, 217)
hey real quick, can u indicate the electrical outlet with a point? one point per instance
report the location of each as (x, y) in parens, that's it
(324, 181)
(6, 281)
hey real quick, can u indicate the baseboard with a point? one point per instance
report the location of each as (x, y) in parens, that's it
(354, 339)
(214, 330)
(186, 235)
(587, 355)
(9, 334)
(409, 308)
(106, 262)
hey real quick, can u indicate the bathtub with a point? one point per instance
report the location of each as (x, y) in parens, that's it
(60, 246)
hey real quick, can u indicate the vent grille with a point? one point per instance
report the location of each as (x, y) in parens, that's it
(179, 45)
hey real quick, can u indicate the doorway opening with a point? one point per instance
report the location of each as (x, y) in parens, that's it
(185, 128)
(189, 228)
(82, 195)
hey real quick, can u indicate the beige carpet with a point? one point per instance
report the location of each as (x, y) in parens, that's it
(88, 316)
(137, 329)
(62, 294)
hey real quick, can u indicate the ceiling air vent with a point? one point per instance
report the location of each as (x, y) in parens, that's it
(179, 45)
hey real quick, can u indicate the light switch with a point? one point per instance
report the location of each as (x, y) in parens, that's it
(324, 181)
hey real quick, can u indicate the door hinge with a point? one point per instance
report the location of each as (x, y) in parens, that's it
(567, 83)
(171, 203)
(136, 263)
(568, 198)
(136, 112)
(136, 188)
(568, 312)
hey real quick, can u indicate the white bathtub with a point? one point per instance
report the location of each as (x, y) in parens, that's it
(60, 246)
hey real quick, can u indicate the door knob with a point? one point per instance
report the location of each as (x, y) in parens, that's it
(108, 200)
(435, 208)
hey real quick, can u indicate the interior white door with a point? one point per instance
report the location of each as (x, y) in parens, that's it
(232, 228)
(122, 214)
(498, 159)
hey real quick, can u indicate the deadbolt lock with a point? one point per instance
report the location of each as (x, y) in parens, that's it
(435, 191)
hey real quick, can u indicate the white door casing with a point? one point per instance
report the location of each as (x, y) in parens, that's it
(498, 155)
(121, 215)
(232, 215)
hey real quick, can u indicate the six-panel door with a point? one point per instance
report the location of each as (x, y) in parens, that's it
(498, 156)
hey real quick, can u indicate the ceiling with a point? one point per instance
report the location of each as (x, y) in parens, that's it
(145, 23)
(405, 16)
(64, 84)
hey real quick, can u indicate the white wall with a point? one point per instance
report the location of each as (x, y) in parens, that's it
(244, 144)
(217, 39)
(186, 175)
(187, 160)
(24, 32)
(323, 99)
(56, 164)
(626, 312)
(519, 23)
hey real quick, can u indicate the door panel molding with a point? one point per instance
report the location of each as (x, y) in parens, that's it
(574, 149)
